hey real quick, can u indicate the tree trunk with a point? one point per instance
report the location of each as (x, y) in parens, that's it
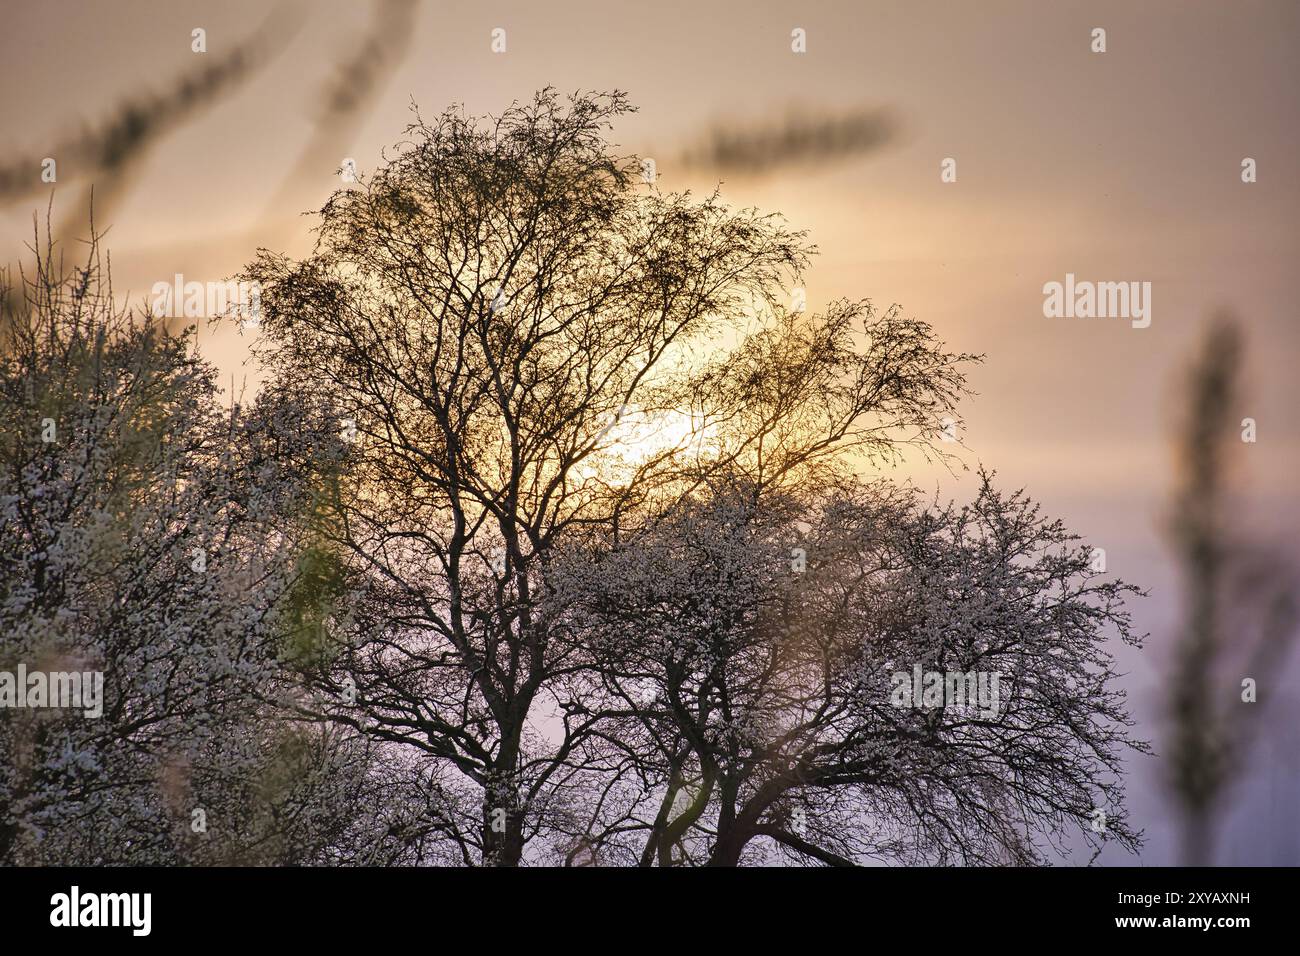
(727, 849)
(503, 814)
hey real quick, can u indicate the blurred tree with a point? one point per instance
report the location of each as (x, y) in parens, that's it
(1240, 606)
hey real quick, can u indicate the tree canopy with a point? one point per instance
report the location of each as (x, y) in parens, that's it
(557, 534)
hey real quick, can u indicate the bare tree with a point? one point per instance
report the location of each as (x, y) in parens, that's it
(493, 318)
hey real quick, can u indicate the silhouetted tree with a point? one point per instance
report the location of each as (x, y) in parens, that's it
(578, 418)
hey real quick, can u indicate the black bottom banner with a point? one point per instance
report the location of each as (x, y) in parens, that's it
(338, 906)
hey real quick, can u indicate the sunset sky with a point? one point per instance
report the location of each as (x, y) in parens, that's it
(1115, 166)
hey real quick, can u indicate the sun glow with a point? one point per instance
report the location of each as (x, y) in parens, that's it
(636, 437)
